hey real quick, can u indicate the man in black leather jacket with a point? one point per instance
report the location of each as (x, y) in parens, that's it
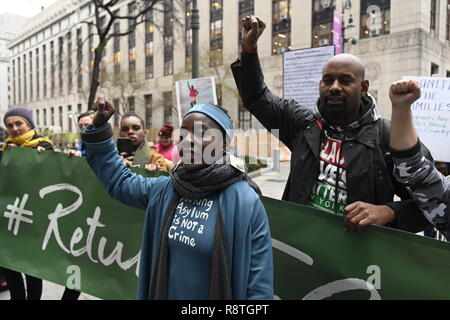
(340, 152)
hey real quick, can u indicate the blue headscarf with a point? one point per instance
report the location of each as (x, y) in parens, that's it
(216, 114)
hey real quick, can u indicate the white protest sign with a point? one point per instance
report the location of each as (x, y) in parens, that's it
(190, 92)
(303, 72)
(432, 115)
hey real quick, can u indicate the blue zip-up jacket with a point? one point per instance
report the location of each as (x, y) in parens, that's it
(247, 232)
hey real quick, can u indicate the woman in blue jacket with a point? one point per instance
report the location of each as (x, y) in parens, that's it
(206, 233)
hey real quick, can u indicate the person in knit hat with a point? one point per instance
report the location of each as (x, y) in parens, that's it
(166, 147)
(20, 125)
(20, 112)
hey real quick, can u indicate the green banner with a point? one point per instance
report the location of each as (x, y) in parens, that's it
(57, 223)
(315, 258)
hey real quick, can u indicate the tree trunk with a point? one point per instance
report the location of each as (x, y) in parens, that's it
(98, 53)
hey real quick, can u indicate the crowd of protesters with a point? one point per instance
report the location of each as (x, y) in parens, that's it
(343, 154)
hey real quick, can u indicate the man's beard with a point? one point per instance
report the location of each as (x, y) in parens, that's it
(332, 112)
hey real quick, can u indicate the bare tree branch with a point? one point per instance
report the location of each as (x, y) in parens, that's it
(103, 20)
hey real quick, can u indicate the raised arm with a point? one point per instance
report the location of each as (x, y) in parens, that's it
(272, 111)
(101, 154)
(427, 185)
(403, 94)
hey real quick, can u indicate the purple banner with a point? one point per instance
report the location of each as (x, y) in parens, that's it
(337, 33)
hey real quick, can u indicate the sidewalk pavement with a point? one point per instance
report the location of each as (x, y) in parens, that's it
(271, 183)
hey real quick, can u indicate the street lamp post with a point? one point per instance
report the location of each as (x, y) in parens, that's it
(195, 26)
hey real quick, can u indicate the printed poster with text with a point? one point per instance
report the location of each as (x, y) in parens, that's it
(432, 115)
(190, 92)
(302, 72)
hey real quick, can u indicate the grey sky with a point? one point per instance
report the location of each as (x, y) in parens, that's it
(27, 8)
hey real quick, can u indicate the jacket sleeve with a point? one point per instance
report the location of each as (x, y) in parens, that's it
(427, 186)
(408, 215)
(272, 111)
(120, 183)
(260, 281)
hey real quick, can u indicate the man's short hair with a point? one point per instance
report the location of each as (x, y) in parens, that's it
(132, 114)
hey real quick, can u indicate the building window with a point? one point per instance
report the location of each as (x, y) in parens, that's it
(132, 55)
(117, 53)
(19, 79)
(117, 56)
(322, 23)
(38, 79)
(168, 37)
(132, 64)
(319, 5)
(188, 35)
(216, 33)
(45, 117)
(14, 82)
(44, 69)
(91, 50)
(38, 121)
(447, 37)
(61, 124)
(281, 26)
(25, 77)
(52, 116)
(71, 118)
(434, 69)
(148, 111)
(245, 118)
(9, 86)
(168, 56)
(149, 44)
(375, 18)
(131, 104)
(322, 34)
(30, 54)
(79, 61)
(149, 51)
(433, 17)
(69, 62)
(60, 63)
(52, 69)
(167, 100)
(246, 8)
